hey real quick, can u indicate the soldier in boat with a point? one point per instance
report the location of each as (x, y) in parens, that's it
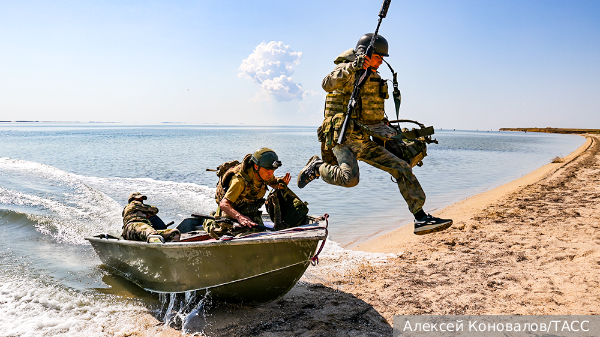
(339, 165)
(241, 190)
(137, 223)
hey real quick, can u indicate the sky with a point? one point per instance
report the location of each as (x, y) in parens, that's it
(461, 64)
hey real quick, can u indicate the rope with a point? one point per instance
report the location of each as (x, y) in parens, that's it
(315, 259)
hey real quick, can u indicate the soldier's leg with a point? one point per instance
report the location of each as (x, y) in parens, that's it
(171, 234)
(346, 173)
(214, 229)
(377, 156)
(138, 231)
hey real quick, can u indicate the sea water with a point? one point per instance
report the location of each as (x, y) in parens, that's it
(60, 183)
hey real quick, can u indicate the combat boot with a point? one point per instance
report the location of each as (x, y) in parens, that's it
(431, 224)
(310, 172)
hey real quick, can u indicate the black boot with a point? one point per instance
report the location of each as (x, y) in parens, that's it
(431, 224)
(310, 172)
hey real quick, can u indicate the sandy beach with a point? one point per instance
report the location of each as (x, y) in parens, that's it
(528, 247)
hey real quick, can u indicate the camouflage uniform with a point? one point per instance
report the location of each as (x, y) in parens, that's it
(136, 225)
(246, 192)
(341, 166)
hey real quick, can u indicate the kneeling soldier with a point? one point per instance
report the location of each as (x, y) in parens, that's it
(136, 223)
(241, 190)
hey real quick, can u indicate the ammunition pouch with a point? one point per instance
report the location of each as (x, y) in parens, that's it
(330, 129)
(286, 209)
(326, 153)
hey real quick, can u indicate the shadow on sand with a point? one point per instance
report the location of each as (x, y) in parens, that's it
(309, 309)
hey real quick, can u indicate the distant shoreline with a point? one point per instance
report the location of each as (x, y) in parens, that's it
(554, 130)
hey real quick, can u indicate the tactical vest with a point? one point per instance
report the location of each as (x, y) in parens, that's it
(251, 192)
(370, 108)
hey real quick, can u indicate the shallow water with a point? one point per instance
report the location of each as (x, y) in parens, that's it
(61, 183)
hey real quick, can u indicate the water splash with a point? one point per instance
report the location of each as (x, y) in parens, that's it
(35, 309)
(185, 311)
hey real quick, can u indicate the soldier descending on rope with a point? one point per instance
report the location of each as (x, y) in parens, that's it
(240, 192)
(339, 165)
(137, 221)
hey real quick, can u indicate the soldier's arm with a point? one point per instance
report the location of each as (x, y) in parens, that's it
(148, 209)
(227, 207)
(342, 75)
(236, 187)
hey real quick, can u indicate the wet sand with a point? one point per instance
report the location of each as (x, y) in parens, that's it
(528, 247)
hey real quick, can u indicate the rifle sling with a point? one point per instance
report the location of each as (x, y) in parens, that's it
(396, 94)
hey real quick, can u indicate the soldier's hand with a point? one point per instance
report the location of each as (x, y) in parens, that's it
(246, 222)
(287, 178)
(367, 62)
(358, 62)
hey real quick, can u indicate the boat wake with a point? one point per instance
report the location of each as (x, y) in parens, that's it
(69, 207)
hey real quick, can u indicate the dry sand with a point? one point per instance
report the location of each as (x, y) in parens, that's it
(528, 247)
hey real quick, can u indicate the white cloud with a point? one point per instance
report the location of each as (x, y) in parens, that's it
(271, 66)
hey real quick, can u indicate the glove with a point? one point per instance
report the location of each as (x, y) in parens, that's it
(358, 62)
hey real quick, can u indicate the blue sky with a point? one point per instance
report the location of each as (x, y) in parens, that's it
(461, 64)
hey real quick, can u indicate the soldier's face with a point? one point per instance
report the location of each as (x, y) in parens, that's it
(376, 61)
(265, 174)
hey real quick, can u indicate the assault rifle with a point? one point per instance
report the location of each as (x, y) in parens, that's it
(363, 76)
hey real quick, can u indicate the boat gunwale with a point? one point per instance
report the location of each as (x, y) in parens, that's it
(308, 234)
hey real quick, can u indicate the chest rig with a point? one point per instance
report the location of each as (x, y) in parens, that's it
(371, 105)
(370, 109)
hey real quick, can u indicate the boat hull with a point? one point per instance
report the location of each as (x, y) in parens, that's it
(254, 270)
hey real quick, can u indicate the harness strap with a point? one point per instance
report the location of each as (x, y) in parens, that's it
(397, 96)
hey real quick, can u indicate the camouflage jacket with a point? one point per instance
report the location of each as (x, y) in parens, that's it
(136, 211)
(339, 84)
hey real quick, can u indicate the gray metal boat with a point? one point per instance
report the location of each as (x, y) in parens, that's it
(257, 268)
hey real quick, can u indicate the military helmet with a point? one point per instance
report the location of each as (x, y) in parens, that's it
(380, 46)
(136, 196)
(266, 158)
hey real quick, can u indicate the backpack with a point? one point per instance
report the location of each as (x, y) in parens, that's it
(225, 172)
(286, 209)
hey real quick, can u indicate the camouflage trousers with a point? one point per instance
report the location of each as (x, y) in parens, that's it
(139, 231)
(218, 229)
(359, 146)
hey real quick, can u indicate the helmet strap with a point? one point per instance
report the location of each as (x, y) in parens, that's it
(256, 168)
